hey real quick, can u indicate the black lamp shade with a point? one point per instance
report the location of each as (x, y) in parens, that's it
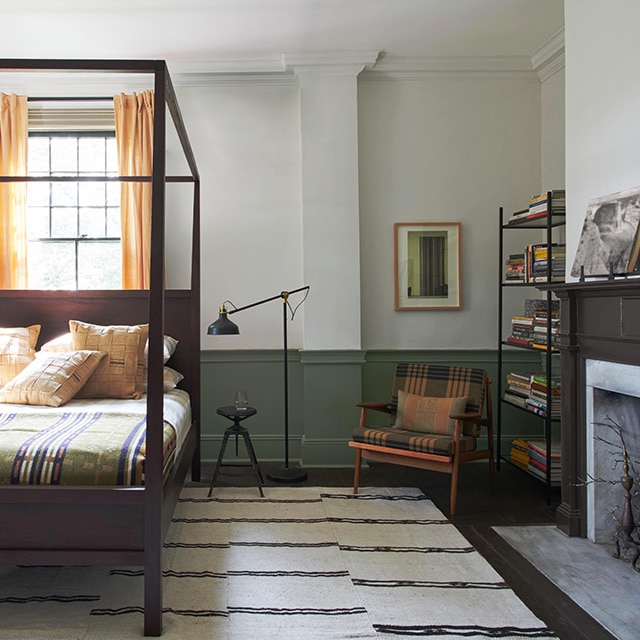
(223, 326)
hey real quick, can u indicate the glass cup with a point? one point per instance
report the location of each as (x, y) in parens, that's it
(241, 401)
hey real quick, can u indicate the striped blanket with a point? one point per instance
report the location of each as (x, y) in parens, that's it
(85, 442)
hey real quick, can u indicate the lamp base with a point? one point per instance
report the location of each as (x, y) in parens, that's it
(287, 474)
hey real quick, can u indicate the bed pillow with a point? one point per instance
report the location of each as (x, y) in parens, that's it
(426, 414)
(65, 343)
(59, 344)
(52, 379)
(170, 381)
(121, 374)
(168, 349)
(17, 350)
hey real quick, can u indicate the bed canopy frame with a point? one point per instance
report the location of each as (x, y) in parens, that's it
(109, 525)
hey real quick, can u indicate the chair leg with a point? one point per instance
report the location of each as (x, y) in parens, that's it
(453, 497)
(356, 471)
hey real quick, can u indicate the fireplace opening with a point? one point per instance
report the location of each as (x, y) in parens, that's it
(612, 398)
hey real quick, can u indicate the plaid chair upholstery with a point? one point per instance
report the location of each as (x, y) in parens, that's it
(389, 443)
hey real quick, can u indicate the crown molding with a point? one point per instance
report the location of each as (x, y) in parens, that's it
(548, 59)
(452, 67)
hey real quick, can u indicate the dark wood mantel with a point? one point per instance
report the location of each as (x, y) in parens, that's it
(598, 320)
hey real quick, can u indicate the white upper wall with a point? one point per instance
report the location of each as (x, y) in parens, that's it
(443, 149)
(603, 102)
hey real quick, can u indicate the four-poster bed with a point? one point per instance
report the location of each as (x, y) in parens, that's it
(110, 524)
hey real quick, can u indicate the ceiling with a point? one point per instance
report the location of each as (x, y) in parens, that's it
(251, 30)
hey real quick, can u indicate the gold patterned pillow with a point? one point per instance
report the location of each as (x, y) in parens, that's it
(121, 373)
(17, 350)
(52, 379)
(429, 415)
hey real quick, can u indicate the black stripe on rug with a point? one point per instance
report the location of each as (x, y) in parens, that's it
(363, 496)
(271, 611)
(251, 520)
(290, 574)
(346, 547)
(385, 521)
(293, 545)
(49, 598)
(191, 613)
(196, 545)
(252, 500)
(465, 631)
(455, 584)
(134, 573)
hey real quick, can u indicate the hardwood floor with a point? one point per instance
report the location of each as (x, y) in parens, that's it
(514, 499)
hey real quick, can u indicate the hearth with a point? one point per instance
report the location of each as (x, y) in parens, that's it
(600, 345)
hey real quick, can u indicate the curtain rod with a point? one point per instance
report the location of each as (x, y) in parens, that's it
(69, 99)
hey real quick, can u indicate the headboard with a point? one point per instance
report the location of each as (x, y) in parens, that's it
(54, 309)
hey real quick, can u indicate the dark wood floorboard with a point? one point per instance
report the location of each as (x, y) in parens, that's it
(514, 499)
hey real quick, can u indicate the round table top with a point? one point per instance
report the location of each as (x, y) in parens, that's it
(236, 414)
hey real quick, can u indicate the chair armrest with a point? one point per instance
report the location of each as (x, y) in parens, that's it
(376, 406)
(465, 416)
(385, 407)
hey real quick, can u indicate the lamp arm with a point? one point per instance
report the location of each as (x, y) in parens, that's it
(283, 294)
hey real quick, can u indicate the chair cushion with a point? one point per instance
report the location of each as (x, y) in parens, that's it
(441, 381)
(411, 440)
(427, 414)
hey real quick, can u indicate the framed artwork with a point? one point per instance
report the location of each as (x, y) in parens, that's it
(608, 242)
(427, 265)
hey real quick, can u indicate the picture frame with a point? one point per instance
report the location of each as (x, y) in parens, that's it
(609, 244)
(427, 265)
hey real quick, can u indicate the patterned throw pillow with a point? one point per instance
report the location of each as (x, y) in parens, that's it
(17, 350)
(121, 373)
(52, 379)
(428, 415)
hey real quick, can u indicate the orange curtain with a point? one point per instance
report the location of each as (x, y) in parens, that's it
(14, 139)
(134, 139)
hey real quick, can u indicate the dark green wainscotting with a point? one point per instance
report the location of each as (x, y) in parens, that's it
(324, 387)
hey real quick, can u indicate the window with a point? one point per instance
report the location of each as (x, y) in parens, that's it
(74, 226)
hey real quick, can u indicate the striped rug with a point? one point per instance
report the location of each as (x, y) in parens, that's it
(302, 563)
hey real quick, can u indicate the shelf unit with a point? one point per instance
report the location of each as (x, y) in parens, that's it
(547, 224)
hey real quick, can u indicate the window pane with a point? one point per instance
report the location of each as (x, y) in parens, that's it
(92, 222)
(63, 223)
(91, 153)
(38, 222)
(64, 194)
(38, 194)
(99, 265)
(38, 161)
(64, 155)
(91, 193)
(52, 265)
(112, 156)
(113, 194)
(113, 222)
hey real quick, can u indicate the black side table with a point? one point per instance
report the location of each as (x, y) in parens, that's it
(236, 429)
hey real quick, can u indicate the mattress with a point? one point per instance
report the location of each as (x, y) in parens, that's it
(86, 442)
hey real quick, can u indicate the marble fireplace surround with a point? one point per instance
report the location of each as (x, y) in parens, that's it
(599, 320)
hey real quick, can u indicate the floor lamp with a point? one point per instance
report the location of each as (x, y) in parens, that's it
(224, 326)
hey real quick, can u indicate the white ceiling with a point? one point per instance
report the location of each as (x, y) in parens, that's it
(250, 30)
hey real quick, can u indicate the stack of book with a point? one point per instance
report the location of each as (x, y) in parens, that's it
(537, 401)
(538, 461)
(514, 268)
(528, 390)
(537, 263)
(520, 453)
(521, 331)
(540, 206)
(546, 326)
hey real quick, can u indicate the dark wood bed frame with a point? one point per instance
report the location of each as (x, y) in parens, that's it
(109, 525)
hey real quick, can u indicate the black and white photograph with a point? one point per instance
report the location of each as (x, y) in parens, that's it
(608, 235)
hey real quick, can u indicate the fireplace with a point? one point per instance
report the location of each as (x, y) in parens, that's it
(599, 343)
